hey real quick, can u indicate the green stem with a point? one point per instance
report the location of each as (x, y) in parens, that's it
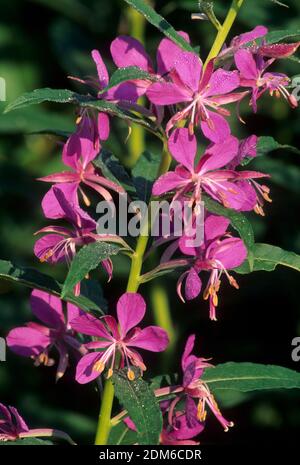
(160, 303)
(136, 141)
(142, 242)
(104, 423)
(224, 31)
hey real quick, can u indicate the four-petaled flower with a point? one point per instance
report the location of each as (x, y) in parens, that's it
(117, 339)
(196, 395)
(204, 91)
(234, 189)
(79, 151)
(36, 340)
(252, 68)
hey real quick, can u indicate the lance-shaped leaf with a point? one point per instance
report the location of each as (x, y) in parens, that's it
(160, 22)
(42, 95)
(36, 280)
(88, 258)
(247, 376)
(27, 442)
(268, 144)
(67, 96)
(144, 174)
(115, 171)
(267, 257)
(141, 404)
(120, 434)
(238, 221)
(274, 37)
(131, 73)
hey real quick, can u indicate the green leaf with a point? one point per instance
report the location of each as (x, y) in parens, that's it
(88, 258)
(267, 257)
(268, 144)
(247, 376)
(238, 221)
(130, 73)
(120, 434)
(114, 170)
(42, 95)
(27, 442)
(141, 404)
(67, 96)
(158, 21)
(36, 280)
(274, 37)
(144, 174)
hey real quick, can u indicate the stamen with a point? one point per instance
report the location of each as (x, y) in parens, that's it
(130, 375)
(99, 366)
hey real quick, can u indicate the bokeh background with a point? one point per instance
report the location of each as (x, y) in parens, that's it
(41, 43)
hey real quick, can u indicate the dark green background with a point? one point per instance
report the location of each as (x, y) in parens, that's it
(41, 43)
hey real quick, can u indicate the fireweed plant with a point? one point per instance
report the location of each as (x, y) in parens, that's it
(184, 102)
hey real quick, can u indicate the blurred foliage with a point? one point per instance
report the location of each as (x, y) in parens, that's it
(42, 42)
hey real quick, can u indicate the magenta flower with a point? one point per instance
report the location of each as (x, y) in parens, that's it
(252, 68)
(117, 337)
(60, 243)
(204, 92)
(244, 40)
(13, 427)
(219, 253)
(196, 395)
(127, 51)
(78, 152)
(234, 189)
(36, 341)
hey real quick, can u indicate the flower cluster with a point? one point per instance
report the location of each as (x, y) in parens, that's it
(188, 101)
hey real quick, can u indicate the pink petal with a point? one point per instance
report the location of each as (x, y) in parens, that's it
(131, 309)
(258, 31)
(27, 341)
(187, 358)
(84, 370)
(54, 207)
(20, 422)
(88, 324)
(188, 66)
(246, 64)
(215, 226)
(220, 129)
(231, 252)
(219, 155)
(64, 176)
(101, 69)
(168, 182)
(103, 126)
(152, 338)
(127, 51)
(167, 93)
(193, 285)
(47, 308)
(73, 312)
(168, 54)
(222, 82)
(45, 245)
(183, 147)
